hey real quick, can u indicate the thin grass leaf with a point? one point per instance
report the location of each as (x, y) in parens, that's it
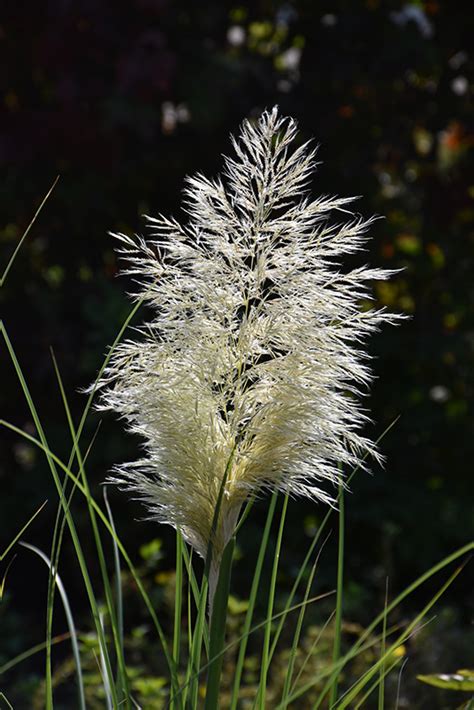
(194, 587)
(406, 592)
(37, 648)
(8, 704)
(25, 527)
(297, 582)
(123, 686)
(105, 677)
(299, 626)
(339, 598)
(57, 461)
(271, 600)
(248, 507)
(118, 575)
(252, 599)
(209, 582)
(25, 233)
(381, 694)
(399, 682)
(194, 664)
(417, 629)
(60, 526)
(237, 641)
(308, 655)
(190, 631)
(69, 619)
(4, 578)
(299, 692)
(353, 694)
(51, 459)
(315, 541)
(382, 675)
(178, 598)
(56, 544)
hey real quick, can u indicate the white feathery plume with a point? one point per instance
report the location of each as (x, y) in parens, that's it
(253, 363)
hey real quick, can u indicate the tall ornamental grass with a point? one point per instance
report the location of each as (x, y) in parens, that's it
(249, 376)
(248, 380)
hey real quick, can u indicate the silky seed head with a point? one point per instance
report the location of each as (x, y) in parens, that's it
(253, 362)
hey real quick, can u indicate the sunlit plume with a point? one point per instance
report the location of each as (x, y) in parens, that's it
(253, 365)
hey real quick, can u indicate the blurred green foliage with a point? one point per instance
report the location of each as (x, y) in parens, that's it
(123, 100)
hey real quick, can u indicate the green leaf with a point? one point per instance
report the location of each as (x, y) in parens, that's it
(461, 680)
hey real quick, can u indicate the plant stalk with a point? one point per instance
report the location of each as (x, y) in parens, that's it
(217, 629)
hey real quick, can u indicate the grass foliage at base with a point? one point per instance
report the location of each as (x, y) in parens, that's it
(241, 659)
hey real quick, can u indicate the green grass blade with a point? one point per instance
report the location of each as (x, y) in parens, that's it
(347, 700)
(314, 543)
(69, 619)
(106, 679)
(299, 577)
(57, 461)
(271, 600)
(56, 545)
(52, 466)
(123, 688)
(178, 597)
(248, 507)
(190, 629)
(399, 683)
(411, 588)
(299, 627)
(384, 672)
(361, 644)
(118, 576)
(4, 578)
(405, 593)
(194, 587)
(237, 641)
(194, 664)
(18, 535)
(384, 663)
(24, 655)
(379, 639)
(7, 703)
(211, 571)
(59, 527)
(25, 233)
(339, 596)
(381, 701)
(299, 692)
(252, 600)
(308, 656)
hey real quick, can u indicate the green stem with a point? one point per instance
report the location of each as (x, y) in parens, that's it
(381, 704)
(217, 631)
(340, 581)
(260, 700)
(178, 597)
(252, 600)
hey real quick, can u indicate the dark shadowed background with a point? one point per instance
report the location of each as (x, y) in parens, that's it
(122, 100)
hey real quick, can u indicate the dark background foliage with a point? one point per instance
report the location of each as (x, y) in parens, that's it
(125, 99)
